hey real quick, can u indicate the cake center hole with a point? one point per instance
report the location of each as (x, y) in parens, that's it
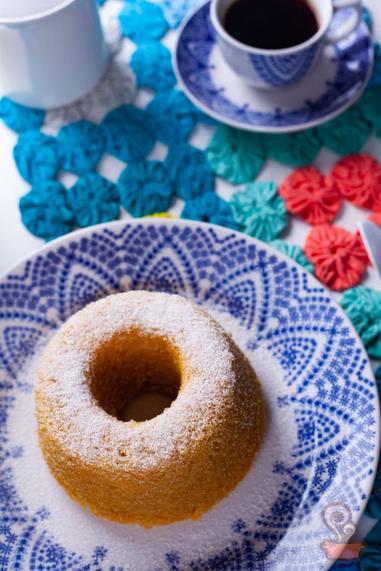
(146, 405)
(135, 376)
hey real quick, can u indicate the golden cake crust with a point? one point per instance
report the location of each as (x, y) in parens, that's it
(176, 465)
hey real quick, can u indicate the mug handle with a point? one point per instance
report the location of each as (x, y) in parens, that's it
(352, 23)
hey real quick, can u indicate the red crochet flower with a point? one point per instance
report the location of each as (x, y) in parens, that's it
(375, 218)
(312, 195)
(339, 257)
(358, 178)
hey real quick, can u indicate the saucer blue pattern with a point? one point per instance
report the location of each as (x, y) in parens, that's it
(336, 81)
(326, 391)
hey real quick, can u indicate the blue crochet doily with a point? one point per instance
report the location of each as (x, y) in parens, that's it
(130, 132)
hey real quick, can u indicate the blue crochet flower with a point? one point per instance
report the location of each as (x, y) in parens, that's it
(176, 10)
(347, 134)
(260, 211)
(142, 21)
(145, 188)
(36, 157)
(375, 80)
(209, 207)
(237, 156)
(129, 133)
(294, 149)
(20, 118)
(363, 307)
(173, 116)
(294, 252)
(342, 565)
(189, 171)
(45, 210)
(80, 146)
(205, 119)
(152, 66)
(93, 199)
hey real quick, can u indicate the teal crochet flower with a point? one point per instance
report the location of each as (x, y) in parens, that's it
(80, 146)
(375, 80)
(152, 66)
(363, 307)
(377, 375)
(189, 171)
(374, 537)
(45, 210)
(373, 508)
(209, 207)
(36, 157)
(294, 149)
(93, 200)
(347, 134)
(260, 211)
(370, 107)
(142, 21)
(129, 133)
(145, 188)
(294, 252)
(237, 156)
(173, 116)
(367, 17)
(370, 559)
(20, 118)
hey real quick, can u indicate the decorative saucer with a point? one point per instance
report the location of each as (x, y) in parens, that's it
(310, 482)
(336, 81)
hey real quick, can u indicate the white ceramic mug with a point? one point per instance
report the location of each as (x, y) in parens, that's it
(272, 69)
(51, 52)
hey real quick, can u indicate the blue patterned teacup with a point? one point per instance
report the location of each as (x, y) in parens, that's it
(273, 69)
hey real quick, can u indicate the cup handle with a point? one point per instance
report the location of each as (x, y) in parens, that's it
(352, 23)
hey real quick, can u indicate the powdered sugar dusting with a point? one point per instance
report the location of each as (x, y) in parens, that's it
(89, 431)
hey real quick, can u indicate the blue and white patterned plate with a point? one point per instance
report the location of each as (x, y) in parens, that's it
(336, 81)
(316, 468)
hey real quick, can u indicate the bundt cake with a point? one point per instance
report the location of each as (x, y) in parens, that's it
(175, 465)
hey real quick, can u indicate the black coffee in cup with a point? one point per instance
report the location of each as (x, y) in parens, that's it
(271, 24)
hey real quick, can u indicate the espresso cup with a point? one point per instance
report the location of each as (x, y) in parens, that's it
(278, 68)
(52, 51)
